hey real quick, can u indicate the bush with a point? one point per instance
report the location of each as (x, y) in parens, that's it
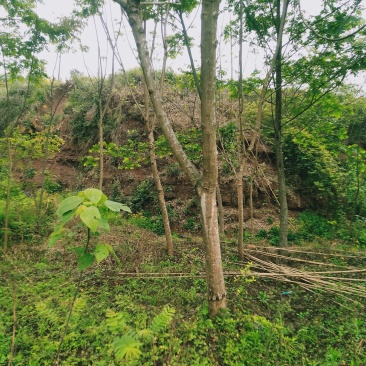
(83, 108)
(273, 235)
(313, 225)
(144, 196)
(148, 222)
(52, 187)
(22, 218)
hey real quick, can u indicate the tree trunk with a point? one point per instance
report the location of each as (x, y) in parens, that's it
(186, 41)
(101, 147)
(7, 202)
(207, 191)
(239, 190)
(205, 188)
(154, 168)
(159, 188)
(278, 137)
(150, 126)
(240, 142)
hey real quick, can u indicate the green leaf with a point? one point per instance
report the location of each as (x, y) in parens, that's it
(109, 247)
(103, 224)
(68, 204)
(78, 250)
(85, 261)
(94, 195)
(91, 218)
(54, 237)
(67, 216)
(101, 252)
(116, 206)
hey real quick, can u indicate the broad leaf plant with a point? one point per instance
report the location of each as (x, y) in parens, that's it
(86, 206)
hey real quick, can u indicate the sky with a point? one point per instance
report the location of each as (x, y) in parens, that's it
(87, 62)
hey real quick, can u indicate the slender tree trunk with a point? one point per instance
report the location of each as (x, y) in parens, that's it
(7, 202)
(251, 205)
(150, 126)
(161, 197)
(102, 110)
(205, 187)
(53, 108)
(240, 194)
(101, 148)
(278, 137)
(207, 191)
(241, 148)
(164, 212)
(258, 121)
(186, 41)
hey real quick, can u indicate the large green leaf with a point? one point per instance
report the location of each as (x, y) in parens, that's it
(68, 204)
(85, 261)
(91, 218)
(94, 195)
(101, 252)
(116, 206)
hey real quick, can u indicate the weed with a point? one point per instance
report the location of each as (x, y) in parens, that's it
(173, 170)
(149, 222)
(144, 196)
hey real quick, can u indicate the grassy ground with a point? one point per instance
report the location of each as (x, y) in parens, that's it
(268, 322)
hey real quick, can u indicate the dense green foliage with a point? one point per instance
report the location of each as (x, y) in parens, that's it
(154, 312)
(267, 324)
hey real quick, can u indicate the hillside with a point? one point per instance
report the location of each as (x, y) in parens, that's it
(75, 123)
(114, 297)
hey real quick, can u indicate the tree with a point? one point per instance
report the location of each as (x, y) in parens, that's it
(24, 37)
(277, 124)
(205, 185)
(330, 49)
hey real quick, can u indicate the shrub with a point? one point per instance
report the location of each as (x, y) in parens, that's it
(22, 218)
(313, 225)
(173, 170)
(52, 187)
(147, 221)
(144, 196)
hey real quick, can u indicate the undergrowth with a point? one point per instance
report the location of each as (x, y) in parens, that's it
(267, 323)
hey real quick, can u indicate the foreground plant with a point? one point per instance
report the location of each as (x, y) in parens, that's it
(86, 206)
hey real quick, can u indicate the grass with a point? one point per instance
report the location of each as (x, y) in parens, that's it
(267, 323)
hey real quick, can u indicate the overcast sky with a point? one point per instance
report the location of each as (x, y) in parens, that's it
(87, 62)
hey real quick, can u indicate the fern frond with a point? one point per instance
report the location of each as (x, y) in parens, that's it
(47, 313)
(146, 334)
(127, 348)
(161, 320)
(79, 305)
(116, 322)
